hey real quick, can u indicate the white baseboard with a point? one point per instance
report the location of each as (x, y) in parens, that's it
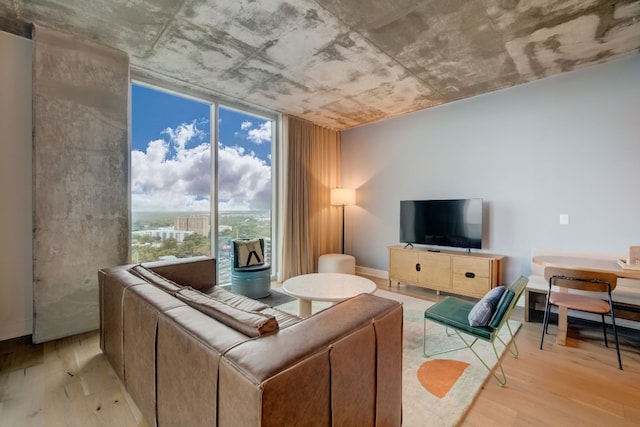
(372, 272)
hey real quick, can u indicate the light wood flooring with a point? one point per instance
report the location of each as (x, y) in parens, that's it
(574, 385)
(68, 382)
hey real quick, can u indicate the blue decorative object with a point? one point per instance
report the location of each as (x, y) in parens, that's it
(253, 280)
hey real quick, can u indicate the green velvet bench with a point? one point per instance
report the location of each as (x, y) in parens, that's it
(453, 313)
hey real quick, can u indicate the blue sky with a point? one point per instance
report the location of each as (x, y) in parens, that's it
(171, 161)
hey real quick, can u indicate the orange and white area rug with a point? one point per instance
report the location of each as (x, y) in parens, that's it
(436, 391)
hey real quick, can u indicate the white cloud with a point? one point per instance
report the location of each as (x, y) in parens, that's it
(171, 176)
(156, 171)
(261, 134)
(183, 134)
(246, 125)
(244, 180)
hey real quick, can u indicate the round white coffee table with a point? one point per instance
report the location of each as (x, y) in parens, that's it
(331, 287)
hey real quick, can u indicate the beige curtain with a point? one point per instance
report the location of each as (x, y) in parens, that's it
(311, 226)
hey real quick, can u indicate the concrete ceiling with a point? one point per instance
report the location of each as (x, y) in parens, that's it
(344, 63)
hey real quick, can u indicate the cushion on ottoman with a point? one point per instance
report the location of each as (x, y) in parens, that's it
(248, 252)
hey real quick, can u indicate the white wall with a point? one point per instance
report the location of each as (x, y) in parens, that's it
(16, 294)
(568, 144)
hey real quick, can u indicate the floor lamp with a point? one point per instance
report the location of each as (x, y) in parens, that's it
(343, 197)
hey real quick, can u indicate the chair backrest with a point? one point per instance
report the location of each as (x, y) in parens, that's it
(593, 281)
(508, 302)
(248, 252)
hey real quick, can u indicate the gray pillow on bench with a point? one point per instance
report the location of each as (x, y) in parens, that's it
(483, 311)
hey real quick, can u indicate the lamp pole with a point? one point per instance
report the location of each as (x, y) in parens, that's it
(343, 228)
(342, 197)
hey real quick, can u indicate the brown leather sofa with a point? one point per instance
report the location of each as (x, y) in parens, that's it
(190, 353)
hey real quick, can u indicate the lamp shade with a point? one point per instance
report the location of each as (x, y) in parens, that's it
(343, 196)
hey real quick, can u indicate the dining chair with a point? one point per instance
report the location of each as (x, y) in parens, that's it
(580, 290)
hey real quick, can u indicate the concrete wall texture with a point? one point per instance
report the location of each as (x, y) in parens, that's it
(345, 63)
(563, 145)
(80, 182)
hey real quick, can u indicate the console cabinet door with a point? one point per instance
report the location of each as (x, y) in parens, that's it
(402, 265)
(435, 270)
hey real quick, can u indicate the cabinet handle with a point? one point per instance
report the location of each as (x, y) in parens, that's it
(470, 275)
(418, 267)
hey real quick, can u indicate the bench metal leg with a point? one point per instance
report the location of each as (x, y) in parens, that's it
(501, 377)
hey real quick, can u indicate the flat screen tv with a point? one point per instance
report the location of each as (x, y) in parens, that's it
(453, 223)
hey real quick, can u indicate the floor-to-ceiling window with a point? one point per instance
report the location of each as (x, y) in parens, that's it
(176, 172)
(170, 175)
(244, 182)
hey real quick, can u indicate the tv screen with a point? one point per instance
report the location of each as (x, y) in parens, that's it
(454, 223)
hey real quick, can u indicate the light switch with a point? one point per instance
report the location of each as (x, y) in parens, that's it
(564, 219)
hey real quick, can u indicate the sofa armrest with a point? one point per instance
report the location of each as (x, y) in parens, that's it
(340, 363)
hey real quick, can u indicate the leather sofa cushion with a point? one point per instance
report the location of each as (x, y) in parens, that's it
(155, 279)
(234, 300)
(249, 323)
(284, 319)
(247, 304)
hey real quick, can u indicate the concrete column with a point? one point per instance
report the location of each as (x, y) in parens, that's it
(80, 178)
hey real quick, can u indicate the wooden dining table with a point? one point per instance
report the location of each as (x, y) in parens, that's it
(604, 265)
